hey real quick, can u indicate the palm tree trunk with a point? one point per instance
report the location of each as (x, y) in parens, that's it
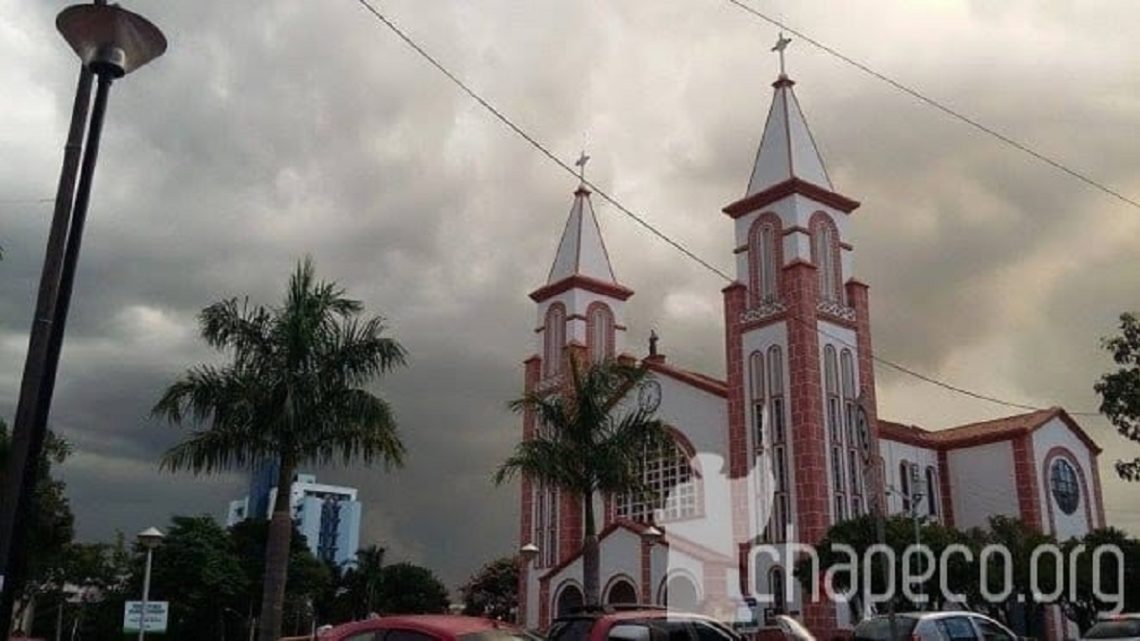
(277, 556)
(590, 561)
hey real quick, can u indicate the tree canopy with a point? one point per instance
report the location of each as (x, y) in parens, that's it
(1120, 389)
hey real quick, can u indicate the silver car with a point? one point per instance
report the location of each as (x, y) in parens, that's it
(1124, 627)
(933, 626)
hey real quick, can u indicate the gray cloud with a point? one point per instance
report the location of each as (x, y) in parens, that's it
(271, 131)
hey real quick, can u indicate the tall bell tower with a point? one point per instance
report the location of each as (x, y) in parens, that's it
(798, 351)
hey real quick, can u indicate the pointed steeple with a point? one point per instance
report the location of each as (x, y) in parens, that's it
(581, 252)
(787, 149)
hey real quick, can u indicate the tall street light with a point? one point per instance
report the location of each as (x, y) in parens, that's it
(111, 42)
(149, 538)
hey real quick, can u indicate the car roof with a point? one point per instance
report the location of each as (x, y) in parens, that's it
(443, 624)
(626, 614)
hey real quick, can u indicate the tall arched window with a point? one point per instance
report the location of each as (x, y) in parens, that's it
(932, 491)
(781, 504)
(825, 255)
(554, 338)
(834, 430)
(854, 457)
(756, 377)
(672, 489)
(600, 332)
(546, 524)
(904, 485)
(764, 256)
(776, 583)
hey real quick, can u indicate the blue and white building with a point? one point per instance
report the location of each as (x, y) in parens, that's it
(328, 515)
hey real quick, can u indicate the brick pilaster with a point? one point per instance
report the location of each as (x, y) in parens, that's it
(1025, 479)
(947, 501)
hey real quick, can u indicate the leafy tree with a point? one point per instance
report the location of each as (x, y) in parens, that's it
(293, 390)
(494, 591)
(198, 571)
(1120, 390)
(51, 526)
(1020, 611)
(1083, 606)
(406, 588)
(361, 582)
(585, 446)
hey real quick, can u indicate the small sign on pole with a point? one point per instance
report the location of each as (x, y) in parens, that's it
(155, 620)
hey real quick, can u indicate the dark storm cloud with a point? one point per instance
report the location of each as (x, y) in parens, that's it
(274, 130)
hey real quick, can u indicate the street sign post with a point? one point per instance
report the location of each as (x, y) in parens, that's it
(156, 614)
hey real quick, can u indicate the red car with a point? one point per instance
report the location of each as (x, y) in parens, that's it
(425, 627)
(638, 623)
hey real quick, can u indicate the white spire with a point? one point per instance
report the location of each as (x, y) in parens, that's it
(581, 252)
(787, 149)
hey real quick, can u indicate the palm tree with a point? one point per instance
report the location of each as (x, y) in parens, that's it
(585, 446)
(291, 391)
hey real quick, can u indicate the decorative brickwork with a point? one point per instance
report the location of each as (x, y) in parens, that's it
(1028, 498)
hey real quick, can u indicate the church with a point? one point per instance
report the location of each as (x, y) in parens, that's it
(781, 444)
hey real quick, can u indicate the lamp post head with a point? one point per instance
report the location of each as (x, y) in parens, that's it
(528, 551)
(150, 538)
(110, 40)
(652, 534)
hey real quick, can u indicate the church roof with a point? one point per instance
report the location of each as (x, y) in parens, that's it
(982, 432)
(787, 149)
(581, 252)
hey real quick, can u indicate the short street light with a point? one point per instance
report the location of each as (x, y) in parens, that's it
(653, 535)
(528, 552)
(149, 538)
(111, 42)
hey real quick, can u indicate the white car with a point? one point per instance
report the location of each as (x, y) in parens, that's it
(1124, 627)
(933, 626)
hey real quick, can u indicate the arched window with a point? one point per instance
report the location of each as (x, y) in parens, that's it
(679, 593)
(1064, 486)
(672, 490)
(834, 430)
(931, 491)
(776, 583)
(568, 599)
(854, 456)
(554, 338)
(756, 378)
(781, 503)
(600, 332)
(764, 254)
(621, 591)
(825, 255)
(546, 524)
(904, 485)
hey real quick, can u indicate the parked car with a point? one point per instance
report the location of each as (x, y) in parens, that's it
(637, 623)
(933, 626)
(1122, 627)
(426, 627)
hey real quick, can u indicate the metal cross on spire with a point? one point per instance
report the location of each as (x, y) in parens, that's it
(581, 165)
(782, 43)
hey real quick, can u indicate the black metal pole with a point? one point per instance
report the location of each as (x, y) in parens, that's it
(26, 444)
(37, 417)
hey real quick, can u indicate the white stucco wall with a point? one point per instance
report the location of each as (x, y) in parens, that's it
(1056, 433)
(893, 454)
(982, 483)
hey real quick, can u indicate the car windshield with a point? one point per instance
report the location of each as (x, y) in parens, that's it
(570, 630)
(1114, 629)
(879, 629)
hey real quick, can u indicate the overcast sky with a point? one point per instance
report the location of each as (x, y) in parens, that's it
(274, 129)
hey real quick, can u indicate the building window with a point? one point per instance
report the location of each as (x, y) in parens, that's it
(764, 254)
(1066, 489)
(329, 528)
(931, 491)
(904, 485)
(776, 583)
(781, 515)
(672, 490)
(546, 524)
(854, 456)
(600, 332)
(756, 374)
(825, 255)
(834, 431)
(554, 338)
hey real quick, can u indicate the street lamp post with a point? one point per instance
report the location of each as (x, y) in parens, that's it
(111, 42)
(149, 538)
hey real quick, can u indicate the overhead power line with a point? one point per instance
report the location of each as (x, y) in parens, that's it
(953, 113)
(641, 220)
(26, 201)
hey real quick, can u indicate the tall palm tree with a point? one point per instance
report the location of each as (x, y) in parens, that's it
(585, 445)
(291, 391)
